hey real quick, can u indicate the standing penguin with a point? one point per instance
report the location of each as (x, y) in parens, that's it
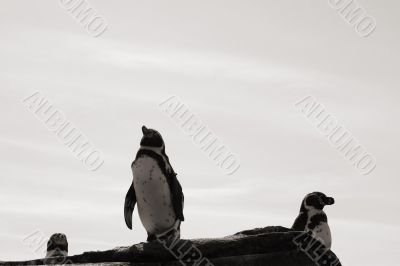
(313, 219)
(155, 189)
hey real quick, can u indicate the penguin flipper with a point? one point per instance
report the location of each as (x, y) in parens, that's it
(177, 197)
(130, 201)
(300, 222)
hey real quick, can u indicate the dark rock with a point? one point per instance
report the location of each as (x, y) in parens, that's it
(271, 246)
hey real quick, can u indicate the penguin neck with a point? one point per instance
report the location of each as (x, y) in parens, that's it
(158, 150)
(309, 209)
(161, 152)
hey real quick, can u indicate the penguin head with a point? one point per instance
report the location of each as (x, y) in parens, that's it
(57, 240)
(316, 201)
(151, 138)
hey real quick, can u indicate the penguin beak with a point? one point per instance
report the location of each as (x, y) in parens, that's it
(145, 130)
(329, 201)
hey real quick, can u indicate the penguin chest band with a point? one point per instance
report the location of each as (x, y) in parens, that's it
(153, 196)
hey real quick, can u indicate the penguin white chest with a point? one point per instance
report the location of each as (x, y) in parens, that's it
(153, 196)
(322, 232)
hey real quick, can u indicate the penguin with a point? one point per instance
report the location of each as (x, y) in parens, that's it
(57, 246)
(313, 219)
(155, 189)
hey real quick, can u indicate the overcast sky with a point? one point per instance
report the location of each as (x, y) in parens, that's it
(240, 66)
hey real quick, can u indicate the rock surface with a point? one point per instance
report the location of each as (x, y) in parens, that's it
(269, 246)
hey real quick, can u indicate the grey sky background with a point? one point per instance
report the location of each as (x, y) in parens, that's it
(240, 66)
